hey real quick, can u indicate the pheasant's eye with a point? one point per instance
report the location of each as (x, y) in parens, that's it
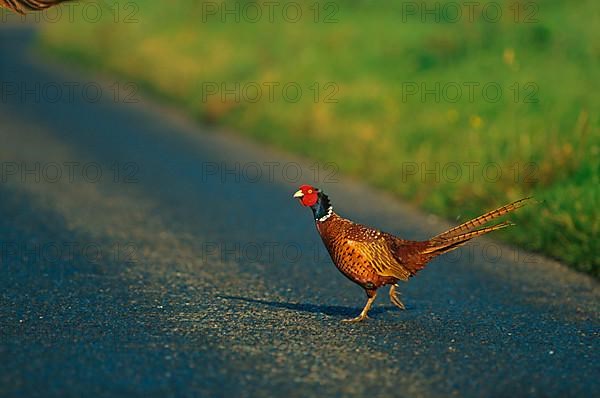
(310, 191)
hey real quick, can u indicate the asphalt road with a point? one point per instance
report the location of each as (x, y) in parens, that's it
(132, 263)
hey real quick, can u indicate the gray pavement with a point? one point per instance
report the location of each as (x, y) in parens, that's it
(147, 269)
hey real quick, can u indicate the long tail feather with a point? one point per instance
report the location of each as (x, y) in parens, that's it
(444, 245)
(483, 219)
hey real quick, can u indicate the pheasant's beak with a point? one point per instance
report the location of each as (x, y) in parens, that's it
(298, 194)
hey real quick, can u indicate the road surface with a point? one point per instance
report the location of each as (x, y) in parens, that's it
(143, 255)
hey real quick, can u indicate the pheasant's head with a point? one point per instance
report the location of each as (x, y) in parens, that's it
(315, 199)
(308, 195)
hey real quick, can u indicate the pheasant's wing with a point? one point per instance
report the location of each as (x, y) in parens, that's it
(377, 252)
(411, 254)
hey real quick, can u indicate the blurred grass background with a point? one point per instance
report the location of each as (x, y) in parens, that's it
(545, 142)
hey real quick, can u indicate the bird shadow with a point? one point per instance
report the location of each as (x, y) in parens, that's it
(332, 310)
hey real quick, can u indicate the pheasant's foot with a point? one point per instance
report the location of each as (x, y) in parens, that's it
(398, 303)
(359, 318)
(394, 298)
(364, 312)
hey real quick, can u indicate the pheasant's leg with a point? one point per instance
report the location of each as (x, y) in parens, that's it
(363, 314)
(394, 298)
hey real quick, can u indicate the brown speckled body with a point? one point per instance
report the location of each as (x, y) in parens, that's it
(369, 257)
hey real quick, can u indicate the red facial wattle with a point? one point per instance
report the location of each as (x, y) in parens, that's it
(309, 197)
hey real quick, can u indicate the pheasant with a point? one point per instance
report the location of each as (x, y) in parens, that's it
(22, 6)
(373, 258)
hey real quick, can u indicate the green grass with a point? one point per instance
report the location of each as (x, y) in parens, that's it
(548, 148)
